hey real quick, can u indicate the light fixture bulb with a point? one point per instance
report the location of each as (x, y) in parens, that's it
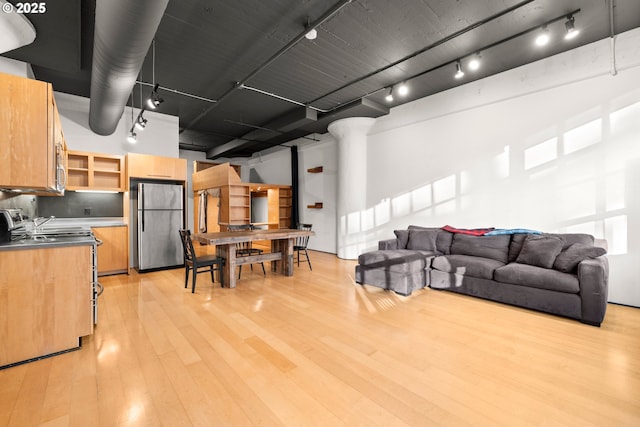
(389, 97)
(543, 38)
(154, 99)
(459, 73)
(312, 34)
(131, 138)
(403, 89)
(141, 123)
(474, 64)
(571, 29)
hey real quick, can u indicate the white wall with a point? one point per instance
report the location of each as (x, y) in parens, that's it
(275, 168)
(553, 145)
(15, 68)
(160, 137)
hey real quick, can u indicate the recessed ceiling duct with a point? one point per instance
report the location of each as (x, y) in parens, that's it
(16, 29)
(124, 30)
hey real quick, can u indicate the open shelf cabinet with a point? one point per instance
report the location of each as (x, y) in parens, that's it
(94, 171)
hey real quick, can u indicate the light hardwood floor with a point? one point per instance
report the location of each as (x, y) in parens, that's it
(317, 349)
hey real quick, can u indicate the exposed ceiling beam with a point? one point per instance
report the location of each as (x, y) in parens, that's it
(283, 124)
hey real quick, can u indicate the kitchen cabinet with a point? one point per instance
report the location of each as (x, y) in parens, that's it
(156, 167)
(34, 151)
(95, 171)
(113, 254)
(45, 301)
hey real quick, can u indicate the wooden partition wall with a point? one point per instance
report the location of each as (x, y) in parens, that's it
(228, 199)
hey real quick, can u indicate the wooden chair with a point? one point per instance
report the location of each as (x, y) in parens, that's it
(300, 245)
(195, 263)
(246, 248)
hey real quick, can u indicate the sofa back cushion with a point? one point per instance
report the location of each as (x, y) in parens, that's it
(517, 240)
(402, 237)
(540, 250)
(422, 240)
(443, 240)
(493, 247)
(569, 239)
(569, 258)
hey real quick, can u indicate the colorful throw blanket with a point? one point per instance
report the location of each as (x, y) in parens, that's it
(471, 231)
(499, 231)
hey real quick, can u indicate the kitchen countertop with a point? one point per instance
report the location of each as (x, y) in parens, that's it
(44, 243)
(61, 241)
(88, 222)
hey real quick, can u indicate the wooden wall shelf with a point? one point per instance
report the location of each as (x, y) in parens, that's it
(316, 205)
(317, 169)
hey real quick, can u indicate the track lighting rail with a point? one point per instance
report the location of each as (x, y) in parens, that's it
(483, 48)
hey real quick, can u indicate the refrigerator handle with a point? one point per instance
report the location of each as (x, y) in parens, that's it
(142, 203)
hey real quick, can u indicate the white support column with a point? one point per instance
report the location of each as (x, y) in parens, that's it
(351, 134)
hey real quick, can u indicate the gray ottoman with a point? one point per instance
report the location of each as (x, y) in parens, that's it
(399, 270)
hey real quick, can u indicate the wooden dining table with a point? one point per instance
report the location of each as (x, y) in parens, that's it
(281, 255)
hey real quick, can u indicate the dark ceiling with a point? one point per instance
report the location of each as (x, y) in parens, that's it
(264, 84)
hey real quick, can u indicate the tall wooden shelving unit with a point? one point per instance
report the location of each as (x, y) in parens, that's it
(235, 204)
(235, 198)
(284, 207)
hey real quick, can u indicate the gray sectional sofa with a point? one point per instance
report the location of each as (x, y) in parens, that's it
(562, 274)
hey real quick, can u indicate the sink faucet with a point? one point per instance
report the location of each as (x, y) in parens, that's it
(39, 222)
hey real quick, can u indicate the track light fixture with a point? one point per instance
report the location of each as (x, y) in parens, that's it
(570, 27)
(154, 100)
(141, 122)
(459, 73)
(403, 89)
(312, 34)
(132, 137)
(474, 64)
(389, 97)
(543, 38)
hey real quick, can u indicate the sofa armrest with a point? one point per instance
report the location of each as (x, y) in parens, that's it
(388, 244)
(593, 275)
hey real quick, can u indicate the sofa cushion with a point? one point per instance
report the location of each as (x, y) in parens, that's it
(537, 277)
(443, 241)
(422, 240)
(540, 250)
(398, 260)
(467, 265)
(517, 240)
(569, 239)
(402, 236)
(569, 258)
(494, 247)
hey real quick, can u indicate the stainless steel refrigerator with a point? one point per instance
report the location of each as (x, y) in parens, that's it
(159, 217)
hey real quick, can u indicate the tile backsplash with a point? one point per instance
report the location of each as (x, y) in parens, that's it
(25, 202)
(81, 205)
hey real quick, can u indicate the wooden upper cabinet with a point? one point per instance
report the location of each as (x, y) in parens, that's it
(33, 154)
(156, 167)
(95, 171)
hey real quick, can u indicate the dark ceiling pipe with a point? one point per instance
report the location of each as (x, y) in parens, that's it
(124, 31)
(238, 85)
